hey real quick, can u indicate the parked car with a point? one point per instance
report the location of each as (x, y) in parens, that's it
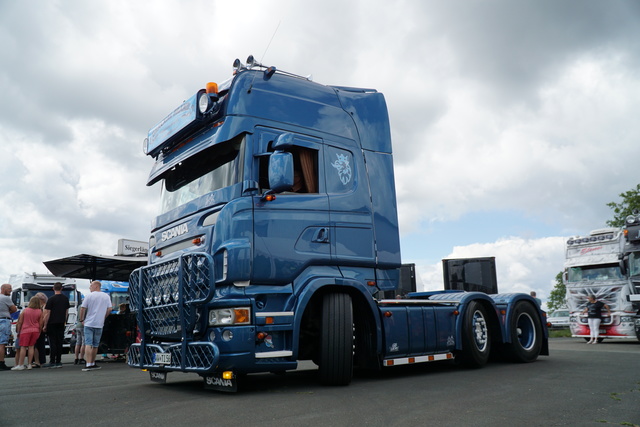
(559, 318)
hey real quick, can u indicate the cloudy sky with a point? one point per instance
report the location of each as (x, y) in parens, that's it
(512, 121)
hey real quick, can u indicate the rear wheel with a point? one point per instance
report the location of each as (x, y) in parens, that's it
(476, 338)
(526, 333)
(336, 340)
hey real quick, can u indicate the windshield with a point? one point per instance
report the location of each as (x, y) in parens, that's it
(634, 263)
(49, 293)
(212, 169)
(595, 273)
(118, 298)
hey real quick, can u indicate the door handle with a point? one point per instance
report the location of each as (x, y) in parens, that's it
(321, 235)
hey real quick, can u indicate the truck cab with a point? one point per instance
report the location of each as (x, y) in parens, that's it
(593, 266)
(278, 238)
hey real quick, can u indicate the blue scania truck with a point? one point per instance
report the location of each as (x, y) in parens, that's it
(278, 236)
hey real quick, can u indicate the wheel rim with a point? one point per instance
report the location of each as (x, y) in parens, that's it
(526, 331)
(480, 331)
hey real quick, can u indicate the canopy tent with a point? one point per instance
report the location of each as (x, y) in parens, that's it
(96, 267)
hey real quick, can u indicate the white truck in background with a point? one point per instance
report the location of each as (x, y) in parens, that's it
(26, 285)
(593, 266)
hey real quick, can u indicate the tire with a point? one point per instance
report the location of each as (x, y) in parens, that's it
(476, 336)
(336, 340)
(526, 333)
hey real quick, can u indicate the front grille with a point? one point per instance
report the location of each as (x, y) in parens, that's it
(167, 294)
(198, 356)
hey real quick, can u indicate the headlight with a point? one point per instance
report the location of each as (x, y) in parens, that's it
(230, 316)
(157, 296)
(166, 294)
(203, 102)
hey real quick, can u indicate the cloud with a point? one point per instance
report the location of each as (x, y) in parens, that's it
(498, 109)
(522, 265)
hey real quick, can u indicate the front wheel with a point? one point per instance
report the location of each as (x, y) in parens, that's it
(476, 338)
(526, 333)
(336, 340)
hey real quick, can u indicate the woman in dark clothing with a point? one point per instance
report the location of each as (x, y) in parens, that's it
(594, 317)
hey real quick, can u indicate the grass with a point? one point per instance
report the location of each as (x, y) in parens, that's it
(559, 333)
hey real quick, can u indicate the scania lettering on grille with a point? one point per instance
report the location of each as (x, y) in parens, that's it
(176, 231)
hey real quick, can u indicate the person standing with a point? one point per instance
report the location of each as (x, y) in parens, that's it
(41, 354)
(7, 308)
(79, 350)
(29, 326)
(94, 311)
(535, 297)
(55, 318)
(594, 317)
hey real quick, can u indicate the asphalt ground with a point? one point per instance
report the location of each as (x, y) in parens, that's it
(578, 384)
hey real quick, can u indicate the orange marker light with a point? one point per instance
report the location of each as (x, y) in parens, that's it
(371, 283)
(242, 315)
(387, 314)
(212, 87)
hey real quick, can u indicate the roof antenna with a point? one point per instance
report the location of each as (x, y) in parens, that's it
(263, 55)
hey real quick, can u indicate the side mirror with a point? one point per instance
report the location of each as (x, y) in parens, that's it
(623, 264)
(281, 171)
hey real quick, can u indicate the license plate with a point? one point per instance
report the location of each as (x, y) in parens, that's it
(603, 331)
(162, 358)
(216, 382)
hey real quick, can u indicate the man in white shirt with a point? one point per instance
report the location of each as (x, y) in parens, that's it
(95, 309)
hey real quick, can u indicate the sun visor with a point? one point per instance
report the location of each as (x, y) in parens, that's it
(231, 128)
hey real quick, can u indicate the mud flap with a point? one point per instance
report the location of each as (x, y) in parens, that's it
(216, 382)
(158, 377)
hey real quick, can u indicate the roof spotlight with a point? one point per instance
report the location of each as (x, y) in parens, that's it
(237, 66)
(251, 62)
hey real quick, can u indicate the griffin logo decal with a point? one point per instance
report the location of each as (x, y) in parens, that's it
(343, 167)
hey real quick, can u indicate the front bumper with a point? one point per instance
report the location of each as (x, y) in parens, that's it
(198, 356)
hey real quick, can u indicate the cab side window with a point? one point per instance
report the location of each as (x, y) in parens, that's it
(305, 170)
